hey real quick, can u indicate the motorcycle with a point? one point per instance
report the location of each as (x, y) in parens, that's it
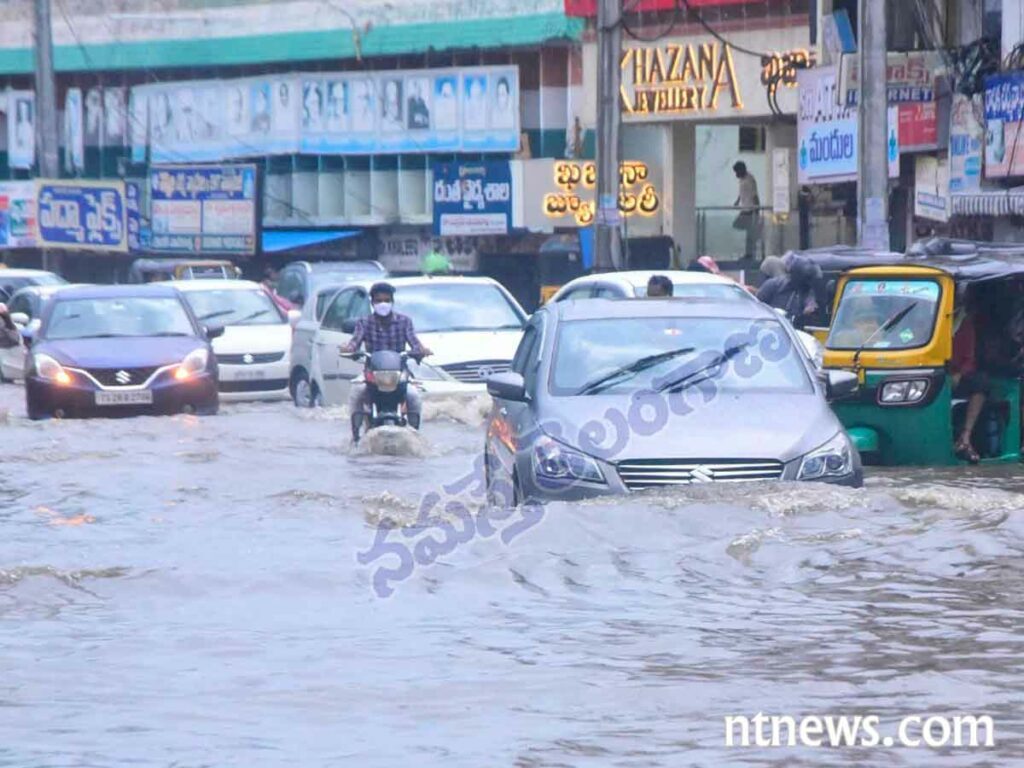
(387, 380)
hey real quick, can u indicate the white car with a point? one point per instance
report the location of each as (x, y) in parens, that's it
(685, 284)
(471, 324)
(254, 353)
(26, 308)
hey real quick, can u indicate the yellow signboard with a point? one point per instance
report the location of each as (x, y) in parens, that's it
(577, 180)
(676, 79)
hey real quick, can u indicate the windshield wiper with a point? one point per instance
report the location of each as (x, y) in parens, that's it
(885, 327)
(253, 316)
(602, 383)
(687, 381)
(218, 313)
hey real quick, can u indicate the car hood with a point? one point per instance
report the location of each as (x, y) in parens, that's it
(747, 426)
(135, 352)
(467, 346)
(239, 339)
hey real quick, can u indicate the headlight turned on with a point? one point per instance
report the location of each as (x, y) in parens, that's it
(49, 369)
(193, 364)
(555, 461)
(386, 381)
(903, 392)
(833, 459)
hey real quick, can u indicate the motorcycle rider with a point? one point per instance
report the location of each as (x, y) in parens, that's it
(385, 329)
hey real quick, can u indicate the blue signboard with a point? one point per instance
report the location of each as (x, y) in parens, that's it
(203, 209)
(82, 215)
(132, 201)
(472, 198)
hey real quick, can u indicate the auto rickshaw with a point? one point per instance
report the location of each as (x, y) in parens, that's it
(158, 270)
(894, 327)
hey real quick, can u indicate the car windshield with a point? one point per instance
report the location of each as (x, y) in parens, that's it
(47, 278)
(671, 354)
(118, 316)
(866, 305)
(437, 307)
(722, 291)
(234, 307)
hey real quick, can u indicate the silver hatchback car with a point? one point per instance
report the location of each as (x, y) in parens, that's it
(613, 396)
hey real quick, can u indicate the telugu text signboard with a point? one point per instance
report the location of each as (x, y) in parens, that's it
(966, 143)
(82, 215)
(1004, 114)
(472, 198)
(826, 132)
(204, 209)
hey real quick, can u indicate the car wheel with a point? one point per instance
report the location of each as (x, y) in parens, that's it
(302, 393)
(35, 413)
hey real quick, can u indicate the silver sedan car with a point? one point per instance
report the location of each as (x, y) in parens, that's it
(611, 396)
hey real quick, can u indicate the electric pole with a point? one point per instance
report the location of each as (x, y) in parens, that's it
(608, 234)
(872, 115)
(47, 142)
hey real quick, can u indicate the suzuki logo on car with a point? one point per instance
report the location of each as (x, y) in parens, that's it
(485, 371)
(247, 358)
(123, 377)
(702, 474)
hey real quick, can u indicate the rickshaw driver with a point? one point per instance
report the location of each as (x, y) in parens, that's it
(866, 320)
(968, 381)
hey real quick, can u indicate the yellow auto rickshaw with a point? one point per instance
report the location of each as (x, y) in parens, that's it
(158, 270)
(894, 327)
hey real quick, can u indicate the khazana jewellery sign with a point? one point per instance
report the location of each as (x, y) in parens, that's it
(679, 78)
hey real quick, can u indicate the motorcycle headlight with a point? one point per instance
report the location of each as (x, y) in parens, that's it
(194, 363)
(555, 461)
(902, 392)
(387, 381)
(49, 369)
(833, 459)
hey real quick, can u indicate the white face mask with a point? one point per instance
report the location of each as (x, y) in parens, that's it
(382, 309)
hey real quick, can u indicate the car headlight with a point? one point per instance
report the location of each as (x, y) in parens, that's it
(833, 459)
(555, 461)
(194, 363)
(386, 381)
(49, 369)
(902, 392)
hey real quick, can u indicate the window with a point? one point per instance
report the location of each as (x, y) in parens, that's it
(752, 138)
(290, 286)
(359, 307)
(321, 301)
(582, 292)
(21, 304)
(525, 361)
(608, 292)
(336, 312)
(867, 305)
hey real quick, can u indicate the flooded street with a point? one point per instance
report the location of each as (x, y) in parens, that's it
(183, 591)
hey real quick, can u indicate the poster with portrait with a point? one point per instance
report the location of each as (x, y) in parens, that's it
(474, 102)
(115, 117)
(74, 132)
(285, 112)
(161, 121)
(336, 107)
(446, 103)
(391, 108)
(21, 129)
(260, 102)
(93, 129)
(312, 106)
(138, 110)
(502, 111)
(363, 102)
(417, 103)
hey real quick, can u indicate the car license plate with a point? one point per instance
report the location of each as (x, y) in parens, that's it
(138, 397)
(249, 375)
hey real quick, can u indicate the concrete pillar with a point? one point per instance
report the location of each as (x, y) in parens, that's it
(681, 187)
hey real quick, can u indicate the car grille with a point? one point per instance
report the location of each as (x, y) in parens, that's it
(477, 370)
(654, 473)
(255, 385)
(257, 357)
(116, 377)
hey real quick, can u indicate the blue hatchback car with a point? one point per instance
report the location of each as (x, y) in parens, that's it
(120, 350)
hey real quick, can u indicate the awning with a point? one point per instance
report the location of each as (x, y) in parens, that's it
(285, 240)
(989, 203)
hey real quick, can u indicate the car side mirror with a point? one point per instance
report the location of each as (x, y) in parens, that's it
(294, 316)
(507, 386)
(840, 384)
(212, 332)
(19, 318)
(348, 326)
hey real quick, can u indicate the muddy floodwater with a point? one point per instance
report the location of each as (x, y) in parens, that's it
(190, 592)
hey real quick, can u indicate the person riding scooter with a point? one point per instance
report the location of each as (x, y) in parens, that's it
(385, 329)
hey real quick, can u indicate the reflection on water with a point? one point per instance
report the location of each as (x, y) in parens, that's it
(185, 591)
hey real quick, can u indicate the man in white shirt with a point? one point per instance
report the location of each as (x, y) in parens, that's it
(749, 217)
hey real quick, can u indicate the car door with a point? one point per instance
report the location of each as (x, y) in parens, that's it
(327, 340)
(359, 307)
(12, 359)
(509, 418)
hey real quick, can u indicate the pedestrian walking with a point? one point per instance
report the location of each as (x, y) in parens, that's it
(748, 220)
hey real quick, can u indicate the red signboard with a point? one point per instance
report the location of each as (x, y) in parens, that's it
(919, 127)
(588, 8)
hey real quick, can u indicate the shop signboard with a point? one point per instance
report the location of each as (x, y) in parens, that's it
(931, 188)
(18, 214)
(203, 209)
(826, 130)
(133, 207)
(472, 198)
(82, 215)
(458, 109)
(1004, 113)
(403, 249)
(588, 8)
(966, 143)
